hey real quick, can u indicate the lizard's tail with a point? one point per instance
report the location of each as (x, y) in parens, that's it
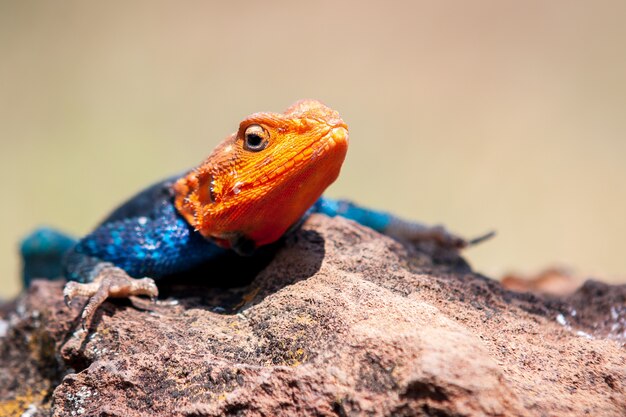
(42, 252)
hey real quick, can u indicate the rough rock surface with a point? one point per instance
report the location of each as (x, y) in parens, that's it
(340, 322)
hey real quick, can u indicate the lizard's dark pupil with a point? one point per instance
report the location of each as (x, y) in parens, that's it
(254, 140)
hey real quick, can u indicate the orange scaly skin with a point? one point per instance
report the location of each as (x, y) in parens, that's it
(258, 195)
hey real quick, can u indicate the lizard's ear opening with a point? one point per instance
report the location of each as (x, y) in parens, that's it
(206, 188)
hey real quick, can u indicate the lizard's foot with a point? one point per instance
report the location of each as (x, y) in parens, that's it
(111, 281)
(415, 232)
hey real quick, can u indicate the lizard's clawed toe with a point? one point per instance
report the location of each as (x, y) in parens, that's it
(75, 289)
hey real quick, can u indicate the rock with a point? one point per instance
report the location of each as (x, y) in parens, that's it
(341, 321)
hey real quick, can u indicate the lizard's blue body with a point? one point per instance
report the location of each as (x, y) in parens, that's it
(146, 236)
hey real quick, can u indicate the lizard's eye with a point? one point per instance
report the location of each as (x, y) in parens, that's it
(255, 138)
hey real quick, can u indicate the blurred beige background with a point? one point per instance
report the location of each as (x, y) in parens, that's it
(486, 114)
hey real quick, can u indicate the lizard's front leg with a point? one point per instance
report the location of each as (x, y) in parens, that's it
(103, 263)
(109, 281)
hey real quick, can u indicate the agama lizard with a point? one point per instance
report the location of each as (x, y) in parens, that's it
(255, 186)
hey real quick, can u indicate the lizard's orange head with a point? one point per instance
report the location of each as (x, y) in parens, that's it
(262, 179)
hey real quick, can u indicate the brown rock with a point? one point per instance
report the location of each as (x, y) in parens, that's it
(341, 322)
